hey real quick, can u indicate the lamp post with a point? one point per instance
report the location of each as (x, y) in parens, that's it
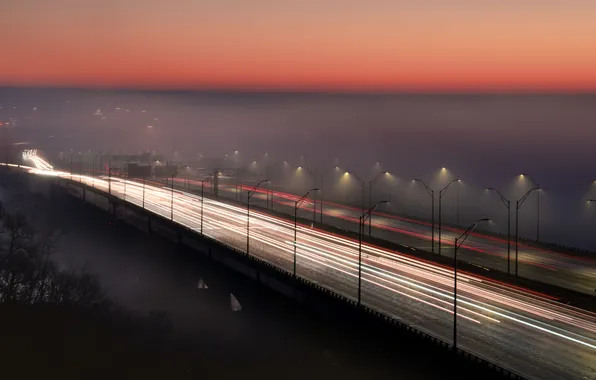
(321, 193)
(367, 214)
(322, 180)
(370, 187)
(93, 171)
(441, 193)
(507, 204)
(518, 204)
(202, 196)
(296, 207)
(458, 242)
(536, 185)
(125, 176)
(110, 176)
(81, 166)
(362, 184)
(250, 193)
(430, 192)
(172, 199)
(313, 174)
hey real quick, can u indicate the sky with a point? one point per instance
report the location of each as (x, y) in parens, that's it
(374, 45)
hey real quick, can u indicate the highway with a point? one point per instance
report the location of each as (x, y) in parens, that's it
(526, 332)
(564, 270)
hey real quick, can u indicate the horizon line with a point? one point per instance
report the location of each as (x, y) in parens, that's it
(297, 91)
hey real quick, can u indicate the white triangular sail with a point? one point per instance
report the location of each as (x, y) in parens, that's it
(234, 304)
(201, 284)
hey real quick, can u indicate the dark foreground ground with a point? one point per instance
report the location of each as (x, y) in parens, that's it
(200, 335)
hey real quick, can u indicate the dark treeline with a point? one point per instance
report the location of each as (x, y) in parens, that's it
(59, 322)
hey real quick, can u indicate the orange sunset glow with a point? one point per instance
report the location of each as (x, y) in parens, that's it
(308, 45)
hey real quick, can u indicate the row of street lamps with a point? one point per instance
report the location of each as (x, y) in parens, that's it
(362, 222)
(367, 216)
(458, 242)
(507, 204)
(442, 192)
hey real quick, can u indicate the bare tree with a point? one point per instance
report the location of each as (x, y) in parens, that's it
(27, 273)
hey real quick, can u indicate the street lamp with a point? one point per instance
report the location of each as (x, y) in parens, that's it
(519, 203)
(430, 192)
(362, 184)
(370, 186)
(321, 193)
(296, 207)
(367, 214)
(174, 174)
(458, 242)
(250, 193)
(125, 176)
(441, 193)
(93, 171)
(172, 199)
(507, 204)
(109, 176)
(537, 204)
(313, 174)
(202, 196)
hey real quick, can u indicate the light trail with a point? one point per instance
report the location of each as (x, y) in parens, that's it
(506, 325)
(575, 272)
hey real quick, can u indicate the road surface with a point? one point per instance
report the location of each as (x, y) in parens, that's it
(515, 328)
(534, 263)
